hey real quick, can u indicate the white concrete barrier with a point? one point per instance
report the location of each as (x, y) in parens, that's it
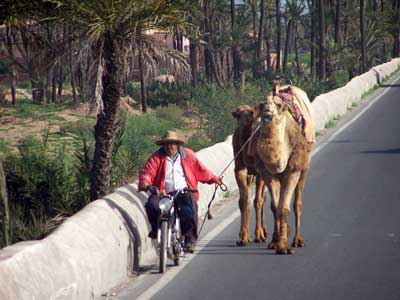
(101, 245)
(335, 103)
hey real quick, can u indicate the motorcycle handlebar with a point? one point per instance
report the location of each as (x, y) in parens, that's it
(154, 190)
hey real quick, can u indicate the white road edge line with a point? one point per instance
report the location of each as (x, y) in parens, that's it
(173, 272)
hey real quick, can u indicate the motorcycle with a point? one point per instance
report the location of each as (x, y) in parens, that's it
(169, 237)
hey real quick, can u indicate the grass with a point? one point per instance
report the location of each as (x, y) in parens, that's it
(4, 148)
(330, 124)
(369, 92)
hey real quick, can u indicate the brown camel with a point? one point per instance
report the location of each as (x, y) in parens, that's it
(245, 172)
(279, 157)
(283, 159)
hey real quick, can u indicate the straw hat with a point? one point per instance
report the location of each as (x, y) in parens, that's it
(170, 137)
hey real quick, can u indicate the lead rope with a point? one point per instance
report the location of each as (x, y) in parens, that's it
(223, 186)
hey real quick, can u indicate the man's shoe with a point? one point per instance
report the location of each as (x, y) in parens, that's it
(189, 247)
(152, 234)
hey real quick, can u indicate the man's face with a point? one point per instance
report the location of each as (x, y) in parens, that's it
(171, 148)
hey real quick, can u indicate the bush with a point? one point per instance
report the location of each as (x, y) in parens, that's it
(133, 90)
(216, 105)
(4, 68)
(197, 142)
(24, 85)
(171, 113)
(163, 94)
(41, 189)
(142, 131)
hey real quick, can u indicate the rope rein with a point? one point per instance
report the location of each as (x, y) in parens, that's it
(223, 187)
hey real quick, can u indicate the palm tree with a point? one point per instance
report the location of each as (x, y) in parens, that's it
(322, 59)
(362, 33)
(278, 35)
(294, 12)
(111, 26)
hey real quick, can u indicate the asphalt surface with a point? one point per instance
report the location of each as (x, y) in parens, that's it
(350, 222)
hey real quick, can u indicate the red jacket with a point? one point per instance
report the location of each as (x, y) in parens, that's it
(154, 170)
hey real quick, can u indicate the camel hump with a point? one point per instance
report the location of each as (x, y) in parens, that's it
(302, 109)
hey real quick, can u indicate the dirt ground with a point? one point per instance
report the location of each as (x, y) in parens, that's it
(14, 129)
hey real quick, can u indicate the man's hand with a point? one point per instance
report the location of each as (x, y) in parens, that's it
(152, 189)
(142, 187)
(222, 185)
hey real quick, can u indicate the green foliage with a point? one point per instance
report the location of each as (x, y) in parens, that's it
(214, 108)
(330, 124)
(142, 131)
(24, 85)
(38, 112)
(133, 90)
(41, 188)
(4, 148)
(171, 113)
(4, 68)
(162, 94)
(197, 142)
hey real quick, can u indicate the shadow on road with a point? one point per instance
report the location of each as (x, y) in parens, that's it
(390, 85)
(387, 151)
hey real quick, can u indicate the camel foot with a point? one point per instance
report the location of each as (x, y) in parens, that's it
(284, 251)
(273, 245)
(298, 242)
(260, 240)
(242, 243)
(261, 236)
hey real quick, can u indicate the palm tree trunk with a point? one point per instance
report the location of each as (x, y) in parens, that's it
(337, 22)
(278, 36)
(396, 42)
(114, 65)
(11, 71)
(72, 73)
(313, 65)
(143, 94)
(298, 64)
(60, 80)
(207, 52)
(194, 57)
(260, 62)
(285, 57)
(54, 84)
(4, 206)
(362, 31)
(13, 83)
(322, 62)
(237, 61)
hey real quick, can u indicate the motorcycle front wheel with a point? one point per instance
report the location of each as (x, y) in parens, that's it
(163, 246)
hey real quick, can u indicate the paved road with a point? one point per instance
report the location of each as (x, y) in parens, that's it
(351, 224)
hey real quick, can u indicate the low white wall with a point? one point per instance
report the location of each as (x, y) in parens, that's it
(335, 103)
(98, 248)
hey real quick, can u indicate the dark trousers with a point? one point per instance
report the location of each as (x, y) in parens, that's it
(187, 212)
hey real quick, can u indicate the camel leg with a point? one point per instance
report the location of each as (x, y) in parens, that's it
(244, 205)
(289, 183)
(298, 240)
(273, 185)
(260, 231)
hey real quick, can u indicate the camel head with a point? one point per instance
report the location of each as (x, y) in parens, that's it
(245, 115)
(272, 108)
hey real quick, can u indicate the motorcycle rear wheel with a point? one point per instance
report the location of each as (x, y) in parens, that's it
(163, 246)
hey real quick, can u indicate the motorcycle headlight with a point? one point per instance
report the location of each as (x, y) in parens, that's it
(165, 204)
